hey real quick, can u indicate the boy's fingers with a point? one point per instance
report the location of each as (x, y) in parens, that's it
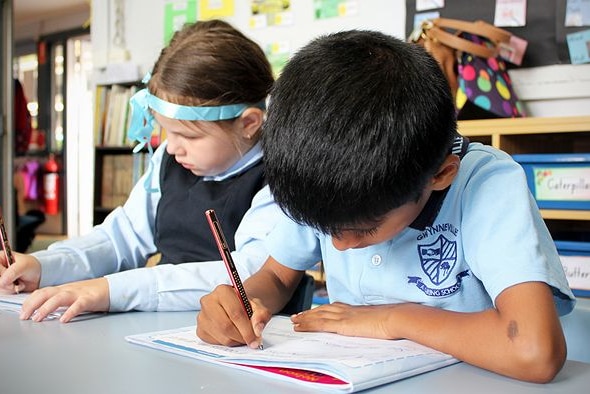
(259, 320)
(216, 325)
(258, 328)
(257, 344)
(6, 276)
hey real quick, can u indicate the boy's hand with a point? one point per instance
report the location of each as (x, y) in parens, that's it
(223, 321)
(26, 271)
(78, 297)
(359, 321)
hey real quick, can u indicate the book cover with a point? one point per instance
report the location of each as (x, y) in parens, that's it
(326, 361)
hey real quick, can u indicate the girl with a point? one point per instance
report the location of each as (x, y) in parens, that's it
(208, 90)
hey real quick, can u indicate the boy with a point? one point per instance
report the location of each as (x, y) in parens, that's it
(422, 235)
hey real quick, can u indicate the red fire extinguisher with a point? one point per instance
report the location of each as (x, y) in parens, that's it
(51, 186)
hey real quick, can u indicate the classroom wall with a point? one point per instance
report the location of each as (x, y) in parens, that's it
(552, 90)
(144, 26)
(127, 57)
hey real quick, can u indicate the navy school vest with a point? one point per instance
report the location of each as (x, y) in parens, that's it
(182, 231)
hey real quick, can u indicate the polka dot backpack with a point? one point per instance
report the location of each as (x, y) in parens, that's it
(468, 53)
(485, 83)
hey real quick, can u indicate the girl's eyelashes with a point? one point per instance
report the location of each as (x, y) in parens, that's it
(185, 135)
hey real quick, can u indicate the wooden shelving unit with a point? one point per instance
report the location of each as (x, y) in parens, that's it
(535, 135)
(531, 135)
(101, 207)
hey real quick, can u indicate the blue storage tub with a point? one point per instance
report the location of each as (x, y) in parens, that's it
(577, 269)
(558, 181)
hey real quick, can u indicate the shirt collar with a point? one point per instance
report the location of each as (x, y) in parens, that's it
(253, 156)
(431, 209)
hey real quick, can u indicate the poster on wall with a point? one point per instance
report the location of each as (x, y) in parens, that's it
(540, 22)
(278, 54)
(324, 9)
(579, 47)
(266, 13)
(215, 9)
(177, 13)
(577, 13)
(510, 13)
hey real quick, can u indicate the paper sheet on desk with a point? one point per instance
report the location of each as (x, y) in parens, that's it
(322, 360)
(14, 302)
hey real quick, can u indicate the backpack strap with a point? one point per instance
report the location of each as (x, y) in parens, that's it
(478, 27)
(437, 31)
(433, 32)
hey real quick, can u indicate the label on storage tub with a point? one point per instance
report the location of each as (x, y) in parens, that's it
(565, 184)
(577, 271)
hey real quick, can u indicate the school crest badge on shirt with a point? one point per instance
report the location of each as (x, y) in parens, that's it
(437, 260)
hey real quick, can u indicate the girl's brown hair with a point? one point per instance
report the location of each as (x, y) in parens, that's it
(211, 63)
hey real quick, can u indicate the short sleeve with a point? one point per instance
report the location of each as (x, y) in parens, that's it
(293, 245)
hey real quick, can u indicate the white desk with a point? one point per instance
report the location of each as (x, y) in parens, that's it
(92, 356)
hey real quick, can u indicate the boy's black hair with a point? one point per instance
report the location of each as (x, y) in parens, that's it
(358, 123)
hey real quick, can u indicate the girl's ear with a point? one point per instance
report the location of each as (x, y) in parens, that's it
(251, 121)
(446, 173)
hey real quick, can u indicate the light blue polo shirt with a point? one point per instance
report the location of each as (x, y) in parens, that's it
(464, 249)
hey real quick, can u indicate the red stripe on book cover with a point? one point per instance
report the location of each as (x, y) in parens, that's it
(300, 374)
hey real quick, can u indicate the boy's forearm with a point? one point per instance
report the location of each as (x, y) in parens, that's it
(273, 284)
(523, 344)
(267, 288)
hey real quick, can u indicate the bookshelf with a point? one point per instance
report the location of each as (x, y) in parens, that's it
(116, 170)
(112, 113)
(113, 160)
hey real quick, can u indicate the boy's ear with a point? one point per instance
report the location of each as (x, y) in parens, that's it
(446, 173)
(251, 120)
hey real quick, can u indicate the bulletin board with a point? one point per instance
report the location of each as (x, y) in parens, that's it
(545, 28)
(285, 30)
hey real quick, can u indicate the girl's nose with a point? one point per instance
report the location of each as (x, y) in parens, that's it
(173, 147)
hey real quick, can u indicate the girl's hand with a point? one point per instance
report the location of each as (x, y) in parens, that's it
(78, 297)
(25, 272)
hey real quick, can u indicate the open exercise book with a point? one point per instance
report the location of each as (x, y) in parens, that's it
(326, 361)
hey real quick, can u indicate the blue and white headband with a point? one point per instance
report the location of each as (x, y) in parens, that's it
(143, 121)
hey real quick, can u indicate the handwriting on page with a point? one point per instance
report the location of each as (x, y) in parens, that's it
(283, 344)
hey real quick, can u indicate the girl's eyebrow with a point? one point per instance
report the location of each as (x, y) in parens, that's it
(186, 133)
(192, 130)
